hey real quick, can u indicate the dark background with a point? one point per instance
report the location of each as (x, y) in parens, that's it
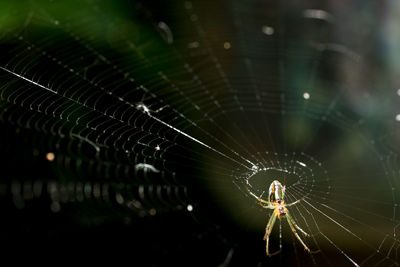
(94, 204)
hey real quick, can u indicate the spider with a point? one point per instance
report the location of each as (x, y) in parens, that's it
(275, 201)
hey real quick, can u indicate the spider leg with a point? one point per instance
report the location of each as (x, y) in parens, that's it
(295, 224)
(268, 231)
(293, 203)
(254, 195)
(261, 201)
(291, 223)
(267, 206)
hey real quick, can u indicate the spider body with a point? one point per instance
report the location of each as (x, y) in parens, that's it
(276, 194)
(280, 211)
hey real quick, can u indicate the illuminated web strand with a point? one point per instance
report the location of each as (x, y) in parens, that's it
(94, 145)
(330, 241)
(333, 220)
(319, 230)
(26, 79)
(201, 143)
(155, 118)
(343, 214)
(302, 192)
(103, 59)
(358, 221)
(341, 251)
(221, 73)
(309, 229)
(147, 112)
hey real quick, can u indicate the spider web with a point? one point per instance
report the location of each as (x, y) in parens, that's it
(155, 116)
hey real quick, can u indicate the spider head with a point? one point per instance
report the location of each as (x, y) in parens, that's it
(276, 192)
